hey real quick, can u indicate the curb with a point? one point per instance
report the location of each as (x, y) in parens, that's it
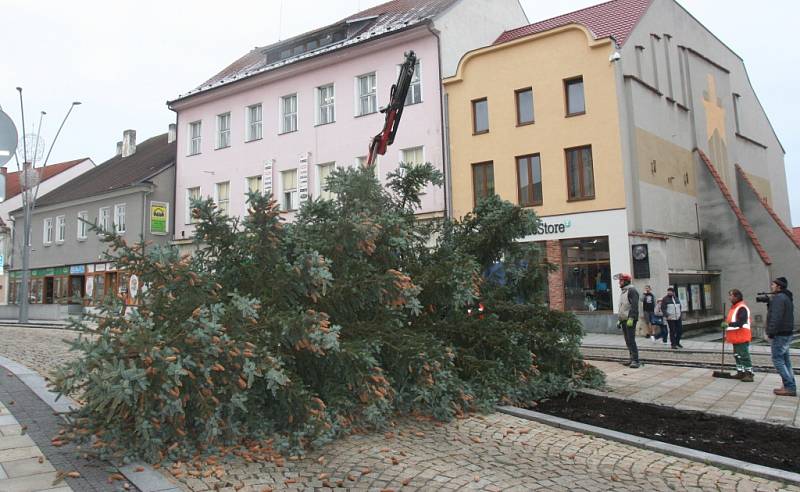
(653, 445)
(148, 480)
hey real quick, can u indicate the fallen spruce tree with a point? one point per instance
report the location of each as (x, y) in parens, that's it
(293, 334)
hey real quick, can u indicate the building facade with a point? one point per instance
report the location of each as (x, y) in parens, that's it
(282, 117)
(634, 134)
(131, 193)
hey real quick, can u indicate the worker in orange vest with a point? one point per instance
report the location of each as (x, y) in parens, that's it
(737, 333)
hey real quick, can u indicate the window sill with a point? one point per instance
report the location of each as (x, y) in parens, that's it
(196, 153)
(325, 124)
(480, 132)
(534, 204)
(288, 210)
(222, 148)
(59, 243)
(47, 245)
(365, 114)
(570, 115)
(286, 133)
(581, 199)
(82, 239)
(527, 123)
(414, 103)
(254, 140)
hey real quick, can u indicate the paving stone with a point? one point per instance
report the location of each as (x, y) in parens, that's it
(27, 466)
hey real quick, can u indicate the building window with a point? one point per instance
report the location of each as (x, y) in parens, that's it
(482, 181)
(580, 174)
(47, 234)
(325, 103)
(573, 91)
(223, 130)
(289, 190)
(254, 122)
(103, 221)
(254, 184)
(414, 155)
(524, 99)
(414, 95)
(83, 218)
(195, 135)
(289, 113)
(119, 218)
(587, 274)
(367, 94)
(323, 171)
(223, 196)
(61, 229)
(529, 180)
(480, 116)
(192, 195)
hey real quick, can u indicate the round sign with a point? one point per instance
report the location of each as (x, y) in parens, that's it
(8, 138)
(133, 285)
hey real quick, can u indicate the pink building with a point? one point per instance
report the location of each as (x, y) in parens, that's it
(280, 118)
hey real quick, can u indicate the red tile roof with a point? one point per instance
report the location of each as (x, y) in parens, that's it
(616, 19)
(748, 229)
(770, 210)
(13, 187)
(796, 231)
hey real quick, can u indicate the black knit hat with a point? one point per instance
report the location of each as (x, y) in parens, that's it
(781, 282)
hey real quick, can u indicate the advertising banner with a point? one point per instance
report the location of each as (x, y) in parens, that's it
(159, 218)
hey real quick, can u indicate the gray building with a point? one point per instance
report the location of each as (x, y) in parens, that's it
(132, 193)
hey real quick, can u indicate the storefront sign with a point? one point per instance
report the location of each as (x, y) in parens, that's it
(133, 285)
(77, 269)
(159, 218)
(552, 227)
(302, 177)
(266, 178)
(707, 296)
(100, 267)
(2, 262)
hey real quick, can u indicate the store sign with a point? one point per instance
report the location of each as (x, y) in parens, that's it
(266, 178)
(77, 269)
(302, 177)
(552, 227)
(133, 285)
(2, 262)
(159, 218)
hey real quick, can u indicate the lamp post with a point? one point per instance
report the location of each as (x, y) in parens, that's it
(30, 181)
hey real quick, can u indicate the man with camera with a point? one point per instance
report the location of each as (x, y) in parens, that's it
(780, 324)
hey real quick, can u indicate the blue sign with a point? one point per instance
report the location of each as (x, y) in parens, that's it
(77, 269)
(2, 262)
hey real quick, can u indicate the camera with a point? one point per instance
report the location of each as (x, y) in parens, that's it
(763, 296)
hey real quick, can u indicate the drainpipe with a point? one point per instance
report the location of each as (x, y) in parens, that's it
(448, 206)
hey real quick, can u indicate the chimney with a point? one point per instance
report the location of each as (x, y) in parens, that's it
(128, 143)
(173, 133)
(119, 149)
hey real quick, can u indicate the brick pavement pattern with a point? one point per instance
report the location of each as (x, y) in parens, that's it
(41, 349)
(692, 388)
(495, 452)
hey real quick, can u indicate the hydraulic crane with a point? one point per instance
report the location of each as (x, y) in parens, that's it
(397, 100)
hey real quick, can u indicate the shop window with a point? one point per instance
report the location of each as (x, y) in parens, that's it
(482, 181)
(587, 274)
(529, 180)
(580, 173)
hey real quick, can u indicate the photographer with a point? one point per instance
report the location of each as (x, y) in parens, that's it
(780, 324)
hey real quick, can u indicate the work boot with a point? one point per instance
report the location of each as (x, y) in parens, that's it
(738, 375)
(634, 365)
(626, 363)
(784, 392)
(747, 377)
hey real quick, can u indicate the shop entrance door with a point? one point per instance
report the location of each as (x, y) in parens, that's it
(48, 290)
(76, 290)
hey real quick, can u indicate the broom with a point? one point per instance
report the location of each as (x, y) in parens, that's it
(722, 373)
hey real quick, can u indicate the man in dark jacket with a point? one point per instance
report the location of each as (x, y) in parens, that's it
(780, 324)
(628, 314)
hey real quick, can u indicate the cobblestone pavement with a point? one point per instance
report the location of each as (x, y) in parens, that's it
(495, 452)
(41, 349)
(688, 388)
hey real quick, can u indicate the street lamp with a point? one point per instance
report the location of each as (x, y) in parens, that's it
(29, 179)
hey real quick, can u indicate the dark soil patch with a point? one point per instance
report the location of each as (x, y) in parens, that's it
(754, 442)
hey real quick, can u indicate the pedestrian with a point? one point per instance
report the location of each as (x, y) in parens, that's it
(660, 323)
(628, 314)
(648, 307)
(780, 324)
(671, 306)
(737, 333)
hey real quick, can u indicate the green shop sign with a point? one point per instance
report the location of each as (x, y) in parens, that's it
(43, 272)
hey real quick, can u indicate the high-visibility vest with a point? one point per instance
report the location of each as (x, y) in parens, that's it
(736, 334)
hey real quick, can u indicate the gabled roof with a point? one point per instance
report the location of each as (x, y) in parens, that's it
(768, 207)
(726, 193)
(377, 21)
(151, 156)
(615, 19)
(14, 188)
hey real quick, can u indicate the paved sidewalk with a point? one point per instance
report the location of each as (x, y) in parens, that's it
(687, 388)
(23, 466)
(604, 340)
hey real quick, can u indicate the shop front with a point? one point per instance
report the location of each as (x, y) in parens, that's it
(587, 250)
(86, 285)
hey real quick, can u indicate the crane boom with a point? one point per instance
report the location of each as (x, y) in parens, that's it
(397, 101)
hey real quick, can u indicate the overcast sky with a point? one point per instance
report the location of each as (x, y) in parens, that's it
(124, 60)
